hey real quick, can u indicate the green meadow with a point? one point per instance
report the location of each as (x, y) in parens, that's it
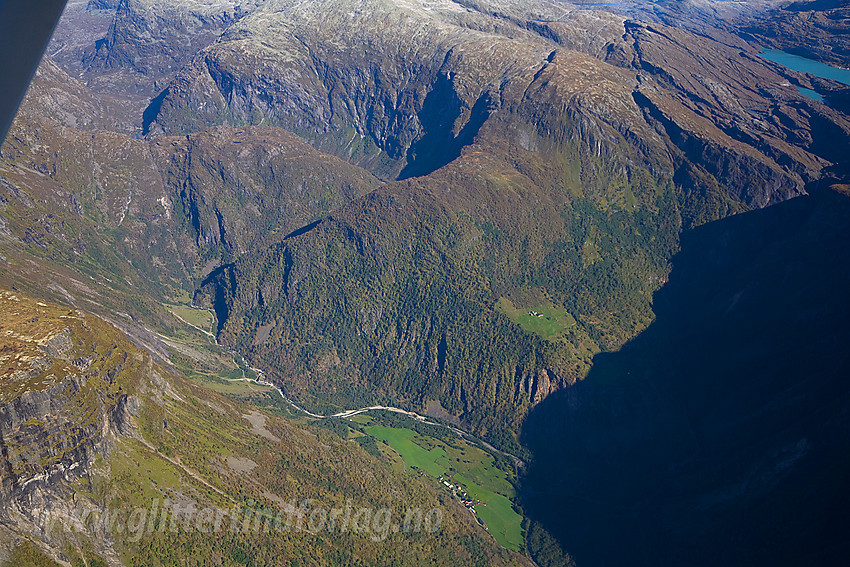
(200, 318)
(460, 462)
(544, 319)
(413, 454)
(502, 521)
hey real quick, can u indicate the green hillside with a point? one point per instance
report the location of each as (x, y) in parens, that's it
(143, 437)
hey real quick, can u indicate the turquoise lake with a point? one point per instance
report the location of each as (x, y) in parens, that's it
(804, 65)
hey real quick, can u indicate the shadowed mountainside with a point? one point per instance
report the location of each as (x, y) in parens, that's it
(542, 161)
(551, 155)
(720, 434)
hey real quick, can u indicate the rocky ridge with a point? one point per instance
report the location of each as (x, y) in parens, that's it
(70, 390)
(272, 67)
(536, 160)
(148, 41)
(702, 112)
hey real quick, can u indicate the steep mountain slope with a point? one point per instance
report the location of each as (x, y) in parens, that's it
(549, 170)
(395, 296)
(384, 108)
(568, 179)
(355, 82)
(132, 215)
(720, 434)
(95, 435)
(149, 40)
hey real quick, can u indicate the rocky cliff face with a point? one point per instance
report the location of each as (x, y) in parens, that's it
(549, 152)
(353, 82)
(175, 208)
(539, 159)
(70, 389)
(523, 107)
(148, 41)
(328, 74)
(93, 433)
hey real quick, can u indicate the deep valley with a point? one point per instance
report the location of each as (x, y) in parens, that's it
(599, 250)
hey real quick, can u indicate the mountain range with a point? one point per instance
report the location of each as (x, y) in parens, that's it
(605, 239)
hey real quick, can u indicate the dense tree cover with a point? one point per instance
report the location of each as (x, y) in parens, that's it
(545, 549)
(392, 298)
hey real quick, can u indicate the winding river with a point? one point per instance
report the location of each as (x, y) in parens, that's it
(352, 412)
(345, 413)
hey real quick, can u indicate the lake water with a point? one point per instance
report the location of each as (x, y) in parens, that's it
(810, 93)
(804, 65)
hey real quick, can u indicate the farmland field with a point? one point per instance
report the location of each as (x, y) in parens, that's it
(502, 521)
(465, 465)
(413, 454)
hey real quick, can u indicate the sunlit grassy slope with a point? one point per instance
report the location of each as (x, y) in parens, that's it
(464, 464)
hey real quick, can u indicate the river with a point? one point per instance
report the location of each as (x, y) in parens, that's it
(352, 412)
(346, 413)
